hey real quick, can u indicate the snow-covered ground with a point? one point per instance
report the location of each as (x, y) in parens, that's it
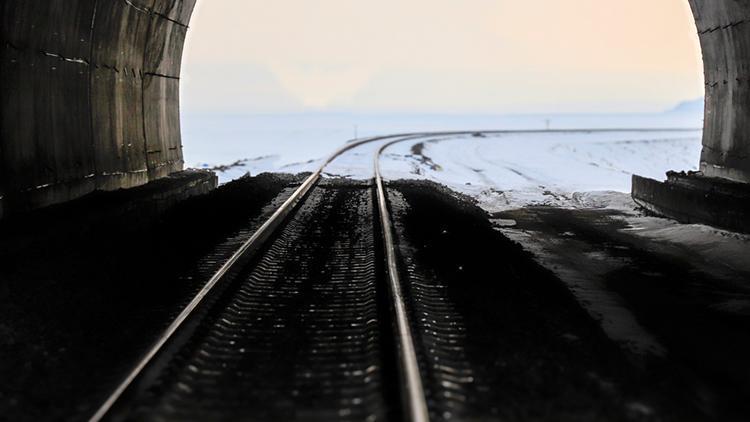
(502, 171)
(286, 142)
(573, 169)
(511, 170)
(584, 170)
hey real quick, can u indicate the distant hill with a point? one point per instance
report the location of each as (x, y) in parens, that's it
(692, 106)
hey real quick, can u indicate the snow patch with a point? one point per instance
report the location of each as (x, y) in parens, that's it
(579, 169)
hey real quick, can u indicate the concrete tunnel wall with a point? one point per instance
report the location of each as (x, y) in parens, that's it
(724, 32)
(91, 94)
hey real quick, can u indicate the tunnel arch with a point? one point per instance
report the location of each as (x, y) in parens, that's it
(724, 33)
(91, 95)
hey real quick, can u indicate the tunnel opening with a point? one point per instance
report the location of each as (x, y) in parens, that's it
(99, 112)
(92, 98)
(281, 98)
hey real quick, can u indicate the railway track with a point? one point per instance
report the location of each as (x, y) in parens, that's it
(302, 322)
(309, 319)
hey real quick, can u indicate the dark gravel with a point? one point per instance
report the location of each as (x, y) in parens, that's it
(531, 350)
(498, 336)
(81, 298)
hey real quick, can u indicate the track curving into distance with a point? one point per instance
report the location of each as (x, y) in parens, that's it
(345, 257)
(295, 324)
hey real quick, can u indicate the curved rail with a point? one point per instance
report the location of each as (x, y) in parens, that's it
(414, 394)
(241, 255)
(248, 247)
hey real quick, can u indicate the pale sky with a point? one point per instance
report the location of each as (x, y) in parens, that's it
(485, 56)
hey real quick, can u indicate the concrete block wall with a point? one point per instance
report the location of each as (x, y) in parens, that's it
(724, 32)
(90, 96)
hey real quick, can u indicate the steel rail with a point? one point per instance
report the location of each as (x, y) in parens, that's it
(414, 395)
(248, 247)
(417, 405)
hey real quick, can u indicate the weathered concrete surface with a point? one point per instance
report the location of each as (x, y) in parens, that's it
(718, 195)
(90, 96)
(724, 32)
(693, 198)
(134, 207)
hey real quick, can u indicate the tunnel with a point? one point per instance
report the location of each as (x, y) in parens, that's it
(91, 98)
(297, 295)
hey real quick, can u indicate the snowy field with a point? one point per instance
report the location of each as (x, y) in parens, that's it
(287, 142)
(513, 170)
(502, 171)
(572, 169)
